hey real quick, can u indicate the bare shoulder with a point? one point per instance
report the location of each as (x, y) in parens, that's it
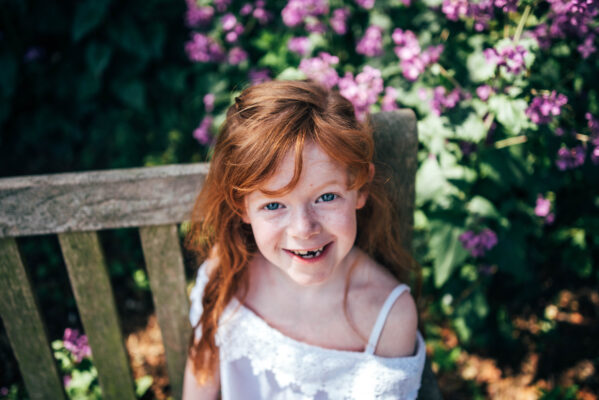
(398, 337)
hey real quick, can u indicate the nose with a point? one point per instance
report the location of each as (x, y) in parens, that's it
(304, 224)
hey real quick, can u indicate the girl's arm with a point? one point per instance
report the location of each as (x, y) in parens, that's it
(193, 391)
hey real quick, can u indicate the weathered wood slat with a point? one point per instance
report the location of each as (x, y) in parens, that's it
(24, 326)
(397, 148)
(164, 264)
(90, 201)
(95, 301)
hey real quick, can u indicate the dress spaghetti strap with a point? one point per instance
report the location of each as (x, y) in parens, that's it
(382, 317)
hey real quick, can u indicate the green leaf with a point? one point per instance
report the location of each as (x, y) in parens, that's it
(510, 113)
(142, 385)
(97, 57)
(446, 249)
(472, 129)
(483, 207)
(430, 182)
(480, 69)
(433, 131)
(131, 94)
(88, 15)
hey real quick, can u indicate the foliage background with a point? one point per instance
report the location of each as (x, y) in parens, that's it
(507, 221)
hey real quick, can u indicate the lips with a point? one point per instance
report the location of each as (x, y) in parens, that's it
(309, 254)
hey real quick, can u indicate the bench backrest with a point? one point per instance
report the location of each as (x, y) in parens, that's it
(76, 205)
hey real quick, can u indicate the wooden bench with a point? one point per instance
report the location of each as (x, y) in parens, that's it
(76, 205)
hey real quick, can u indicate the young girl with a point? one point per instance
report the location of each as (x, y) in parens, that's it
(300, 294)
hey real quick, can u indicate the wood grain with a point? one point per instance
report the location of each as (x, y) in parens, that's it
(95, 301)
(91, 201)
(164, 264)
(24, 326)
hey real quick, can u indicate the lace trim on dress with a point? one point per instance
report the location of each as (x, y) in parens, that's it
(338, 373)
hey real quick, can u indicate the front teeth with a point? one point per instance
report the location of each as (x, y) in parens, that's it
(308, 253)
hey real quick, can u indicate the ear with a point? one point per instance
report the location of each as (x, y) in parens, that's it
(363, 192)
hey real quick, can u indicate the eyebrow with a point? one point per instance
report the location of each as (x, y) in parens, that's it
(334, 181)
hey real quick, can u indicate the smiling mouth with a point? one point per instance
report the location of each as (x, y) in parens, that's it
(307, 254)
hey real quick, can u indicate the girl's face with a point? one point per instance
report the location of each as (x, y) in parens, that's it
(308, 232)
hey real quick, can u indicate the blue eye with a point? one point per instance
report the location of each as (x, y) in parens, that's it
(272, 206)
(327, 197)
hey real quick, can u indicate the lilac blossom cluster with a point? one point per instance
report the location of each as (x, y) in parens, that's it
(482, 12)
(413, 61)
(441, 100)
(363, 91)
(202, 48)
(257, 10)
(543, 209)
(198, 15)
(231, 27)
(297, 12)
(299, 45)
(202, 133)
(478, 243)
(320, 69)
(389, 101)
(371, 44)
(338, 20)
(543, 108)
(570, 158)
(570, 18)
(76, 344)
(593, 124)
(509, 56)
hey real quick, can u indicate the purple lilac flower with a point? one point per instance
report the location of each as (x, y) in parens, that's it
(413, 61)
(76, 344)
(406, 44)
(432, 54)
(543, 209)
(484, 91)
(66, 380)
(362, 91)
(593, 124)
(262, 15)
(228, 21)
(442, 100)
(202, 48)
(197, 15)
(570, 158)
(320, 69)
(339, 20)
(509, 56)
(454, 9)
(202, 132)
(371, 44)
(259, 75)
(478, 243)
(482, 13)
(296, 11)
(246, 9)
(209, 102)
(507, 5)
(366, 4)
(543, 108)
(587, 47)
(222, 5)
(3, 390)
(313, 25)
(237, 55)
(389, 101)
(299, 45)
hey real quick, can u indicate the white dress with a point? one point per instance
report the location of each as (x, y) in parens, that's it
(259, 362)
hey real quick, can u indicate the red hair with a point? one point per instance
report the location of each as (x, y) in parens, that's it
(266, 122)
